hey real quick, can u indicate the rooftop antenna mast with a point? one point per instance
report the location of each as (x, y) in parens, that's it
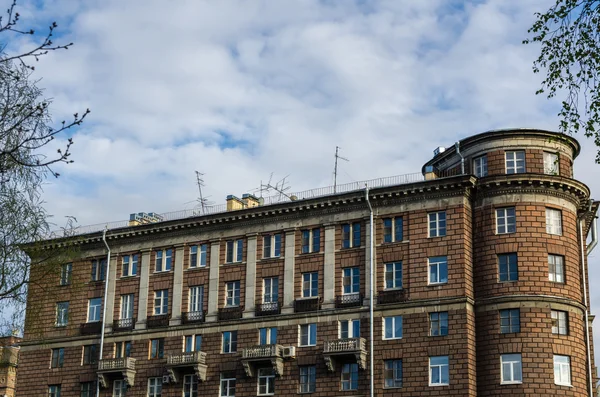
(279, 187)
(201, 199)
(335, 168)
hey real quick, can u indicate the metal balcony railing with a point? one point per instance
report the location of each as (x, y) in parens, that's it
(157, 321)
(347, 345)
(267, 308)
(124, 324)
(116, 364)
(90, 328)
(261, 351)
(307, 305)
(189, 358)
(348, 300)
(392, 296)
(230, 313)
(192, 317)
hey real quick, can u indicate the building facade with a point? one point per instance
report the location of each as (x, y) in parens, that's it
(9, 361)
(478, 288)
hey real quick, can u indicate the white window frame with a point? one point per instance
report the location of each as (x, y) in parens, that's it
(442, 319)
(270, 290)
(265, 383)
(121, 349)
(98, 269)
(437, 224)
(154, 387)
(349, 377)
(190, 385)
(119, 388)
(159, 343)
(196, 299)
(513, 163)
(161, 302)
(127, 302)
(391, 272)
(511, 369)
(392, 374)
(440, 368)
(349, 328)
(308, 379)
(66, 272)
(94, 310)
(198, 256)
(272, 246)
(348, 275)
(270, 336)
(310, 241)
(556, 268)
(232, 293)
(506, 220)
(163, 261)
(560, 322)
(306, 332)
(551, 163)
(554, 221)
(229, 343)
(480, 166)
(562, 370)
(391, 230)
(227, 385)
(233, 252)
(349, 232)
(436, 263)
(129, 265)
(62, 314)
(391, 326)
(192, 343)
(308, 279)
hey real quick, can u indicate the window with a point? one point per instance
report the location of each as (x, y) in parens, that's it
(510, 366)
(266, 382)
(560, 322)
(308, 379)
(88, 389)
(157, 348)
(393, 275)
(154, 387)
(190, 386)
(234, 251)
(94, 306)
(54, 391)
(506, 220)
(311, 241)
(310, 285)
(126, 306)
(437, 224)
(161, 302)
(439, 371)
(119, 388)
(392, 327)
(62, 314)
(122, 349)
(562, 370)
(229, 341)
(198, 255)
(393, 229)
(98, 269)
(553, 221)
(351, 235)
(65, 273)
(438, 324)
(480, 166)
(308, 335)
(550, 163)
(130, 265)
(163, 260)
(349, 377)
(510, 321)
(508, 267)
(227, 384)
(556, 268)
(351, 280)
(267, 336)
(232, 293)
(438, 270)
(57, 358)
(349, 329)
(272, 246)
(271, 290)
(392, 373)
(196, 296)
(192, 343)
(90, 354)
(515, 162)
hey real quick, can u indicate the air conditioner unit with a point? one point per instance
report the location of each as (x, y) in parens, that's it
(289, 352)
(166, 379)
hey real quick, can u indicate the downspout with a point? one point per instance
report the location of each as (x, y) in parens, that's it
(106, 277)
(585, 303)
(370, 293)
(594, 241)
(462, 159)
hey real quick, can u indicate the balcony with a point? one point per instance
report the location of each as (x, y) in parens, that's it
(192, 317)
(350, 348)
(90, 328)
(262, 354)
(157, 321)
(194, 360)
(230, 313)
(124, 324)
(307, 305)
(349, 300)
(392, 296)
(267, 309)
(117, 367)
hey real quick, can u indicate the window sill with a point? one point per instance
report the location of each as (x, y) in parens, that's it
(437, 284)
(60, 326)
(352, 248)
(233, 263)
(309, 254)
(162, 271)
(438, 237)
(511, 383)
(196, 268)
(439, 384)
(272, 258)
(128, 277)
(391, 387)
(307, 345)
(395, 242)
(563, 385)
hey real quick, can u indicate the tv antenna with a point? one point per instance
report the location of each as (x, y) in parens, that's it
(203, 201)
(280, 187)
(335, 168)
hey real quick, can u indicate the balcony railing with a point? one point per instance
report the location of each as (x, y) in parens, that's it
(192, 317)
(230, 313)
(116, 364)
(392, 296)
(307, 305)
(349, 300)
(267, 308)
(124, 324)
(261, 351)
(157, 321)
(346, 345)
(90, 328)
(189, 358)
(261, 355)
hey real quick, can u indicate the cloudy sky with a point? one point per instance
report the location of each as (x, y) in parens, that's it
(242, 89)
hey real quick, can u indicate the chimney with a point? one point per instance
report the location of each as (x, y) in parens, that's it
(250, 201)
(430, 173)
(234, 203)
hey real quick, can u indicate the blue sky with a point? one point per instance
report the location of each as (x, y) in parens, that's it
(242, 89)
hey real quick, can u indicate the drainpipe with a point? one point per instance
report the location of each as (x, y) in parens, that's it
(585, 303)
(594, 241)
(462, 159)
(370, 293)
(106, 277)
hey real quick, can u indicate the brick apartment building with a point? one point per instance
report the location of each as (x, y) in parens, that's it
(9, 360)
(479, 289)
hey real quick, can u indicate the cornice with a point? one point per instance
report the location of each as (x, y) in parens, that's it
(488, 303)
